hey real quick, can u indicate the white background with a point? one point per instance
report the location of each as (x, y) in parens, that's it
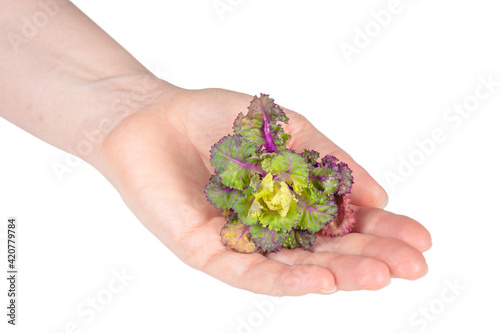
(74, 232)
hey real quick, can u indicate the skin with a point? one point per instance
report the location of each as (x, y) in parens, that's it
(74, 87)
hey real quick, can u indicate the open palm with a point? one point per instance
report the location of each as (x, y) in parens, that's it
(158, 159)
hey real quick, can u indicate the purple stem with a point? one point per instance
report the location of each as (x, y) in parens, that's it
(271, 147)
(243, 233)
(245, 165)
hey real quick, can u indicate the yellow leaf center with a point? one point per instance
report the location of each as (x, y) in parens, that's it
(276, 195)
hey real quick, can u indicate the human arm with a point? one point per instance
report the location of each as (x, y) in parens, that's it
(152, 140)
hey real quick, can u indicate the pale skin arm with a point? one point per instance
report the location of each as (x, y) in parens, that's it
(74, 87)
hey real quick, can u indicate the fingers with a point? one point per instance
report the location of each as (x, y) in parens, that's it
(351, 272)
(392, 239)
(366, 191)
(256, 273)
(351, 265)
(383, 245)
(402, 260)
(352, 262)
(381, 223)
(201, 248)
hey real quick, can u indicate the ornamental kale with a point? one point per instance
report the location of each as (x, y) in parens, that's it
(271, 196)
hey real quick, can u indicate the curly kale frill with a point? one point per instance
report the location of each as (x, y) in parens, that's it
(271, 196)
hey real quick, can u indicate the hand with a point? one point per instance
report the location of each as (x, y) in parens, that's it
(159, 161)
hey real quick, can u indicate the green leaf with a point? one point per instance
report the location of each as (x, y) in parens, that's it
(289, 167)
(266, 239)
(260, 126)
(255, 179)
(325, 179)
(311, 156)
(299, 238)
(233, 161)
(315, 210)
(275, 221)
(235, 236)
(220, 195)
(247, 207)
(346, 176)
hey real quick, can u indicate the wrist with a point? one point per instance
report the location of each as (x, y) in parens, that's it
(102, 140)
(113, 100)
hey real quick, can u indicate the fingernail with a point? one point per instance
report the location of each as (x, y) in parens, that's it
(386, 201)
(328, 291)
